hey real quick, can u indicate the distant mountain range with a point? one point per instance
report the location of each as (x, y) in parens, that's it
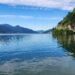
(47, 31)
(44, 31)
(6, 28)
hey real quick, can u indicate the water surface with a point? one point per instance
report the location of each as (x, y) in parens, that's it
(37, 54)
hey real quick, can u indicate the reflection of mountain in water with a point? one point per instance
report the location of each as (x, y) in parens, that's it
(10, 38)
(67, 42)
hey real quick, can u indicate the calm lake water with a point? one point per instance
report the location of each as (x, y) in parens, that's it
(37, 54)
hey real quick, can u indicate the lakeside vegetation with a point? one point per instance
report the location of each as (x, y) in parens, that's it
(67, 25)
(62, 32)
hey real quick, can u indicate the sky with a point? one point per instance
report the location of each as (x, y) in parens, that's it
(34, 14)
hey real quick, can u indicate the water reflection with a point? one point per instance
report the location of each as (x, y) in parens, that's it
(67, 42)
(8, 38)
(36, 54)
(26, 47)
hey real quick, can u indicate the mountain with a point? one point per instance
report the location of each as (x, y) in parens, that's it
(40, 31)
(6, 28)
(47, 31)
(44, 31)
(68, 23)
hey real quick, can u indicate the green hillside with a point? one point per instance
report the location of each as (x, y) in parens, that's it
(68, 23)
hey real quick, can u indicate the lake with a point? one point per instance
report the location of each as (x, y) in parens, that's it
(37, 54)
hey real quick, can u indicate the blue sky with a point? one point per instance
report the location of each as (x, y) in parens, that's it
(37, 15)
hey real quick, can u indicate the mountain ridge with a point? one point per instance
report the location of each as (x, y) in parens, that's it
(7, 28)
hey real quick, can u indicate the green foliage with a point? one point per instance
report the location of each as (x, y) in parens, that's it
(69, 19)
(61, 32)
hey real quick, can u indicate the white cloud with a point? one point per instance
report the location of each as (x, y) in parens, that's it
(29, 17)
(16, 16)
(62, 4)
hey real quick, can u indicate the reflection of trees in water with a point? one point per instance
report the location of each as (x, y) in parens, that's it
(67, 42)
(8, 38)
